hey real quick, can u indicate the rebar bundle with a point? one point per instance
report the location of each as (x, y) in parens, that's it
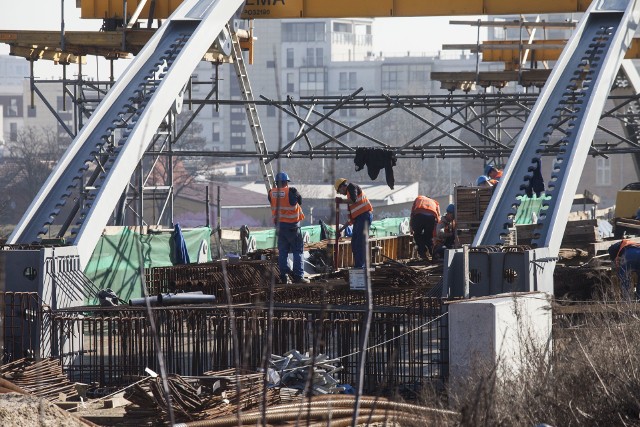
(43, 378)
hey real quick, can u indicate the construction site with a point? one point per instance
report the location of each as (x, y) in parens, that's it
(135, 292)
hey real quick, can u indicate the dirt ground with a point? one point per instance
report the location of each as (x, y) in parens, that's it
(19, 410)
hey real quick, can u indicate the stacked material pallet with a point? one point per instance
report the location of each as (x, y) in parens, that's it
(381, 249)
(471, 204)
(577, 233)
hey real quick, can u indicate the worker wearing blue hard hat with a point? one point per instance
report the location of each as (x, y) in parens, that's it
(484, 181)
(287, 214)
(493, 173)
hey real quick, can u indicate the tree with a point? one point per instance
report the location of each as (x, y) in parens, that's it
(27, 163)
(35, 153)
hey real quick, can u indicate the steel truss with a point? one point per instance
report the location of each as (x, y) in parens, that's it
(483, 125)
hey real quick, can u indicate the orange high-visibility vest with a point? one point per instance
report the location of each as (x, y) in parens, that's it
(623, 244)
(498, 175)
(281, 209)
(425, 205)
(360, 206)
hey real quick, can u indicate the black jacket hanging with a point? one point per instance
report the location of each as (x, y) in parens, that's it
(376, 159)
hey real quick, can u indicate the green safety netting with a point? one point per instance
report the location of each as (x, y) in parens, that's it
(266, 239)
(528, 207)
(116, 260)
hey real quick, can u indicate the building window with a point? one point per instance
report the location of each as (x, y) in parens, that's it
(342, 82)
(392, 77)
(13, 108)
(348, 112)
(290, 58)
(603, 171)
(215, 132)
(291, 131)
(310, 60)
(353, 80)
(342, 27)
(290, 84)
(418, 73)
(312, 81)
(13, 132)
(303, 32)
(319, 57)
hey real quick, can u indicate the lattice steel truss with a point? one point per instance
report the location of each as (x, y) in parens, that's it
(483, 125)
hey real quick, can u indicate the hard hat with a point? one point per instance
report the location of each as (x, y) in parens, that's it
(482, 179)
(282, 177)
(339, 182)
(488, 168)
(451, 208)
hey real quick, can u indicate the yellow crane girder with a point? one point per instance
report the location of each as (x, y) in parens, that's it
(510, 51)
(281, 9)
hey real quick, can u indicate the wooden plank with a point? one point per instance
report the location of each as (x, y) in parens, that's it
(599, 247)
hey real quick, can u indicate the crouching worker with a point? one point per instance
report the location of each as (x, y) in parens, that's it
(287, 214)
(445, 233)
(625, 256)
(425, 214)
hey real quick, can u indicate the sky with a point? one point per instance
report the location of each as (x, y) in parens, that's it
(390, 35)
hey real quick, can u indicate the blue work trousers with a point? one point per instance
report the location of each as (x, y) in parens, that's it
(628, 272)
(290, 240)
(423, 226)
(359, 239)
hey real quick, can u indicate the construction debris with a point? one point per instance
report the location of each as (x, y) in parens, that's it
(43, 378)
(209, 396)
(303, 372)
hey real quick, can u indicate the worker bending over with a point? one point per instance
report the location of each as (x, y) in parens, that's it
(360, 215)
(445, 233)
(625, 256)
(287, 214)
(493, 173)
(484, 181)
(425, 214)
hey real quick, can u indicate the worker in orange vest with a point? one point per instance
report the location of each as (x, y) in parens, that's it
(446, 237)
(360, 215)
(287, 214)
(425, 214)
(485, 182)
(493, 173)
(625, 255)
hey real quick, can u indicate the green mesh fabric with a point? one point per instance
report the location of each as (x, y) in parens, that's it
(529, 206)
(117, 258)
(266, 239)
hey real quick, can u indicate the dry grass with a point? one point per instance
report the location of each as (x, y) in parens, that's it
(591, 379)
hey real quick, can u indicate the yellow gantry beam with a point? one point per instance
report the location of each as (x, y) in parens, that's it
(276, 9)
(34, 45)
(509, 51)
